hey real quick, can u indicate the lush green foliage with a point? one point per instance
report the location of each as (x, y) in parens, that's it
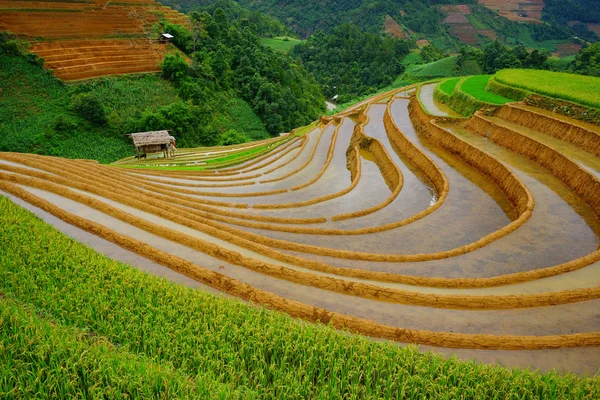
(40, 114)
(559, 64)
(413, 57)
(496, 56)
(90, 107)
(587, 62)
(571, 10)
(36, 116)
(228, 57)
(571, 87)
(475, 86)
(214, 341)
(43, 359)
(348, 62)
(281, 43)
(429, 54)
(261, 24)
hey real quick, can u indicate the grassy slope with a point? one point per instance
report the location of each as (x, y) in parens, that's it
(448, 85)
(207, 338)
(475, 86)
(437, 69)
(577, 88)
(243, 119)
(279, 43)
(413, 57)
(559, 63)
(32, 100)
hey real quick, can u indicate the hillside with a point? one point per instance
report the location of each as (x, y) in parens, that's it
(446, 23)
(86, 39)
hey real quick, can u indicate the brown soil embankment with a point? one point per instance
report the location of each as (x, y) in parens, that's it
(572, 132)
(572, 174)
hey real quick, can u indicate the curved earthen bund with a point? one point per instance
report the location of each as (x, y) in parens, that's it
(479, 237)
(88, 39)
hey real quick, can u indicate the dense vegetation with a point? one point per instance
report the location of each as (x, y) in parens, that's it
(563, 11)
(146, 337)
(348, 62)
(496, 56)
(228, 57)
(260, 23)
(422, 17)
(587, 62)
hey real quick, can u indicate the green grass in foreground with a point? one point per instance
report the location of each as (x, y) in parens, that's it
(475, 86)
(43, 359)
(571, 87)
(281, 43)
(142, 331)
(448, 85)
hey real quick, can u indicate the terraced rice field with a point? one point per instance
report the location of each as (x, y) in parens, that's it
(521, 10)
(85, 39)
(478, 238)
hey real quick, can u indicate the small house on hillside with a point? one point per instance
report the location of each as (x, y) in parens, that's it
(151, 142)
(166, 38)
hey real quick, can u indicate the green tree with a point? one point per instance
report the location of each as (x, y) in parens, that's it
(174, 67)
(587, 61)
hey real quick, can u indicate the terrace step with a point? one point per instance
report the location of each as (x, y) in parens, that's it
(586, 160)
(582, 134)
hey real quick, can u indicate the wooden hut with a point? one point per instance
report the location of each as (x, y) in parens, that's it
(166, 38)
(151, 142)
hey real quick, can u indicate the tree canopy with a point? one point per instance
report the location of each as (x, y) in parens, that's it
(349, 62)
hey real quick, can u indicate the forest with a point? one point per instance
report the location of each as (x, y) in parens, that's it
(228, 56)
(349, 62)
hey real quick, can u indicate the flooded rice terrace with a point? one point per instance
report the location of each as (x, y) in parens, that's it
(476, 237)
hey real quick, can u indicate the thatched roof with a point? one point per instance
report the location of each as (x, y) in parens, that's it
(151, 138)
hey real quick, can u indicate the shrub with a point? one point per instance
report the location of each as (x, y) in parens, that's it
(174, 67)
(231, 137)
(62, 123)
(90, 107)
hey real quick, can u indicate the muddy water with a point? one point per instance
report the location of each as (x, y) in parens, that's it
(562, 228)
(12, 164)
(304, 175)
(580, 317)
(587, 277)
(514, 325)
(432, 106)
(459, 220)
(587, 160)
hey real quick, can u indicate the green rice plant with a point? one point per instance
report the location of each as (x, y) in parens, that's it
(571, 87)
(475, 86)
(40, 358)
(448, 85)
(226, 342)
